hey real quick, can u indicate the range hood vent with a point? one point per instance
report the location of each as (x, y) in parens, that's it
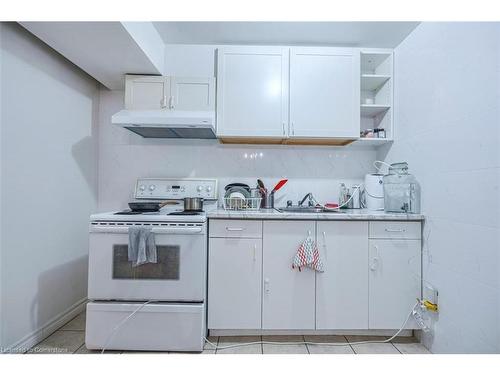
(168, 124)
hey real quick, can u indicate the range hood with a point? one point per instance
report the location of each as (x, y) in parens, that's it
(167, 124)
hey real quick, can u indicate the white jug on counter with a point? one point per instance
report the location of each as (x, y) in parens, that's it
(374, 192)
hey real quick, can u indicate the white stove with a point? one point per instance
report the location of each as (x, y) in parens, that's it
(167, 298)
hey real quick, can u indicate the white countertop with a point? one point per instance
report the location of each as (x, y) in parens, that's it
(358, 214)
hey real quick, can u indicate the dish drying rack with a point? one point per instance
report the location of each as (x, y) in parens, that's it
(237, 203)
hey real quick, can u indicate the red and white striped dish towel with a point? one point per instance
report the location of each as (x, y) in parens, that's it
(308, 256)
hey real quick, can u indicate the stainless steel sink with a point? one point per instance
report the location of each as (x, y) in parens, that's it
(305, 209)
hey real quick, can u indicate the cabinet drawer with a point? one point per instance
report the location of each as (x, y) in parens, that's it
(235, 228)
(395, 230)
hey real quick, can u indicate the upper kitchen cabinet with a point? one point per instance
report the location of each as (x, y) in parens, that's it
(146, 92)
(159, 92)
(324, 93)
(252, 93)
(192, 93)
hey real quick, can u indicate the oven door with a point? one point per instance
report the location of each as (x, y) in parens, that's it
(179, 274)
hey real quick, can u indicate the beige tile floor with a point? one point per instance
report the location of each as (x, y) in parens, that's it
(70, 339)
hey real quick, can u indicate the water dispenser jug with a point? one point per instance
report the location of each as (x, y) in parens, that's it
(401, 190)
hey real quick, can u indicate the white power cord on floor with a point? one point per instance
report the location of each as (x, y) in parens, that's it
(320, 343)
(125, 320)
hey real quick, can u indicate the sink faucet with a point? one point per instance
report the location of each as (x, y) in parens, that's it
(308, 196)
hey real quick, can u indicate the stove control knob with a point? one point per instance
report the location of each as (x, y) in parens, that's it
(199, 188)
(209, 189)
(152, 187)
(142, 188)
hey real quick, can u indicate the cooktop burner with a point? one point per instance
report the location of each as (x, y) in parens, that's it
(186, 213)
(129, 212)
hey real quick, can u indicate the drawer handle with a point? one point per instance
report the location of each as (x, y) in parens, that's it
(230, 229)
(395, 230)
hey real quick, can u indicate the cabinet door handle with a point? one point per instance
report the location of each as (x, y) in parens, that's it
(254, 253)
(324, 246)
(375, 260)
(266, 285)
(230, 229)
(293, 128)
(163, 102)
(395, 230)
(283, 124)
(171, 104)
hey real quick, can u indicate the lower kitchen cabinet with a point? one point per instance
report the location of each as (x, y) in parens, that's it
(394, 282)
(234, 283)
(342, 290)
(288, 294)
(372, 275)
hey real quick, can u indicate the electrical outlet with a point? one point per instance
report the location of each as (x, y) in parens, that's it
(430, 294)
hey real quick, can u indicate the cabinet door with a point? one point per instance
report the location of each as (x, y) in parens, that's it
(146, 92)
(324, 92)
(394, 282)
(190, 93)
(288, 294)
(342, 290)
(252, 92)
(234, 283)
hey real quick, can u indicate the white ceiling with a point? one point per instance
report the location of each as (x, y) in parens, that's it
(363, 34)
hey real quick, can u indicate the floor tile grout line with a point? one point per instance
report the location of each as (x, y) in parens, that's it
(70, 330)
(307, 346)
(39, 342)
(350, 346)
(77, 349)
(400, 352)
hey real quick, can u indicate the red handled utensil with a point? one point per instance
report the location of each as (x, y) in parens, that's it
(279, 185)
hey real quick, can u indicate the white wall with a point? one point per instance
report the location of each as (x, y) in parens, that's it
(48, 183)
(447, 128)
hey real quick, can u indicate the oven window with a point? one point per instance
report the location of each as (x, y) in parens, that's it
(167, 267)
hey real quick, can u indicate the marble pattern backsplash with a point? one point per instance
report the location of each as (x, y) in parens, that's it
(124, 157)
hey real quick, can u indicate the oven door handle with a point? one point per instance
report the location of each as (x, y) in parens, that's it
(124, 230)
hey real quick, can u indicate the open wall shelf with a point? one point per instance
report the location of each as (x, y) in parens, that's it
(376, 94)
(371, 110)
(371, 82)
(371, 142)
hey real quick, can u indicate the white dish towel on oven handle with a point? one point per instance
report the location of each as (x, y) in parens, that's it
(308, 256)
(141, 245)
